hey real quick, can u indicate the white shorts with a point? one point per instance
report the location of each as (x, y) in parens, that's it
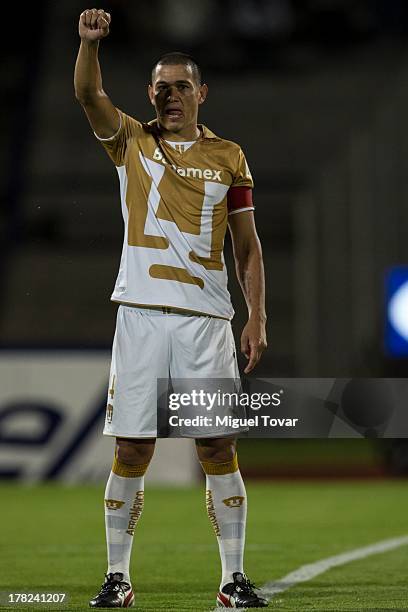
(150, 344)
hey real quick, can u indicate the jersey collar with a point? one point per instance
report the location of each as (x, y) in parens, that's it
(206, 133)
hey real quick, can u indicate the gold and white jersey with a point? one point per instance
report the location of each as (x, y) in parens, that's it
(175, 205)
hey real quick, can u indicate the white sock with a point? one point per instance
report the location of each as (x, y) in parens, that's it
(124, 499)
(227, 508)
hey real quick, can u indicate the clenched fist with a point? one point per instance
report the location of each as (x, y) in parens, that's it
(94, 24)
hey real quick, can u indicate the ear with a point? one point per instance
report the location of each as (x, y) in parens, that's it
(203, 93)
(150, 93)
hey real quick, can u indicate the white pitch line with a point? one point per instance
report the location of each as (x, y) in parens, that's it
(311, 570)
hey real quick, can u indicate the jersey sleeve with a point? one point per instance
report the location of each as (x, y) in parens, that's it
(116, 145)
(239, 196)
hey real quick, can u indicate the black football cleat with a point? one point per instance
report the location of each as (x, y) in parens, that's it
(114, 593)
(240, 594)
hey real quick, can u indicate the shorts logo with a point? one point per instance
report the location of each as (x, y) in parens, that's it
(113, 504)
(234, 502)
(109, 413)
(112, 390)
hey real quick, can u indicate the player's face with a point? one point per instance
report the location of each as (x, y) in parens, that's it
(176, 96)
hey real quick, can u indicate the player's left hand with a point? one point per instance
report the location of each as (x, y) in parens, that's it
(253, 342)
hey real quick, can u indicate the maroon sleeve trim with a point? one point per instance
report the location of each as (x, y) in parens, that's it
(239, 197)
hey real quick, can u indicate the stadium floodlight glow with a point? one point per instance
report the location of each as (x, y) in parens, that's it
(396, 337)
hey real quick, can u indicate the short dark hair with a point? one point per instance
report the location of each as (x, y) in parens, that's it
(175, 58)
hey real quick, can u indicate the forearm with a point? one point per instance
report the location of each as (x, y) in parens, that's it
(87, 76)
(250, 273)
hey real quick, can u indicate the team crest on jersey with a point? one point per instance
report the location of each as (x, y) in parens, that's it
(234, 502)
(198, 173)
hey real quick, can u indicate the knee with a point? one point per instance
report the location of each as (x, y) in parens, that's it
(134, 452)
(216, 450)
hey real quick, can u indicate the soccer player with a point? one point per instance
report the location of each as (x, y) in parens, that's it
(180, 186)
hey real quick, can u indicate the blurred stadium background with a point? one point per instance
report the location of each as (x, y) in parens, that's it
(316, 93)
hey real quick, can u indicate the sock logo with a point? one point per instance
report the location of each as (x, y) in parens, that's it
(113, 504)
(135, 512)
(235, 501)
(211, 513)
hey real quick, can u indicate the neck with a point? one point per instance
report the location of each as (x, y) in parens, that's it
(188, 134)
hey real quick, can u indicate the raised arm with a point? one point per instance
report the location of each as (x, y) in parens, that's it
(101, 113)
(250, 273)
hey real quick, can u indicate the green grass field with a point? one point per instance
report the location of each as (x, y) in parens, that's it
(52, 539)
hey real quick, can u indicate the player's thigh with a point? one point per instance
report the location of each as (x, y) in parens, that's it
(204, 367)
(140, 356)
(202, 347)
